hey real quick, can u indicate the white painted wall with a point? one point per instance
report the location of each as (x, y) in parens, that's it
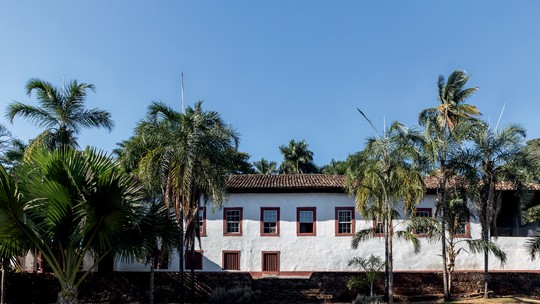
(325, 251)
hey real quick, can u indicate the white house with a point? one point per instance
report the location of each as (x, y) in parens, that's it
(293, 225)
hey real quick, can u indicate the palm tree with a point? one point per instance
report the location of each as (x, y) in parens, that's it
(297, 158)
(187, 156)
(69, 204)
(457, 215)
(335, 167)
(440, 123)
(265, 167)
(62, 112)
(380, 177)
(154, 240)
(495, 156)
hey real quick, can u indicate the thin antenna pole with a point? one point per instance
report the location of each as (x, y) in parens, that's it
(500, 115)
(183, 109)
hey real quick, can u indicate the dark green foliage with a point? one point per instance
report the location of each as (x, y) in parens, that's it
(297, 158)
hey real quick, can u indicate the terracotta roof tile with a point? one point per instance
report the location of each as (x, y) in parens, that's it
(286, 182)
(312, 183)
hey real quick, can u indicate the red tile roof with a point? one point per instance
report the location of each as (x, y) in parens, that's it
(286, 183)
(312, 183)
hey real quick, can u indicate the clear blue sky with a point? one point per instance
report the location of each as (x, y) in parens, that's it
(275, 70)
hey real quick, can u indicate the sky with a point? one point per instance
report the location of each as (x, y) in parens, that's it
(275, 70)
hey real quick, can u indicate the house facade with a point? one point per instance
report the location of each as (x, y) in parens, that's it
(293, 225)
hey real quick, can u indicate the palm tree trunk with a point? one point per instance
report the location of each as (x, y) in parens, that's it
(390, 260)
(152, 286)
(68, 295)
(192, 282)
(386, 264)
(485, 236)
(442, 204)
(181, 255)
(3, 292)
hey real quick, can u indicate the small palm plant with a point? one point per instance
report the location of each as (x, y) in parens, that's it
(371, 266)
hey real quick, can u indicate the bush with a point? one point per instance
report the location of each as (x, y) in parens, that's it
(361, 299)
(234, 295)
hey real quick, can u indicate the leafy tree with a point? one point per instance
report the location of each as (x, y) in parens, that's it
(335, 167)
(381, 177)
(440, 123)
(241, 164)
(186, 156)
(68, 204)
(265, 167)
(297, 158)
(62, 112)
(494, 156)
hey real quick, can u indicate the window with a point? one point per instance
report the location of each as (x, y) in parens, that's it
(232, 221)
(270, 221)
(344, 221)
(270, 261)
(463, 229)
(422, 212)
(202, 221)
(306, 219)
(378, 227)
(231, 260)
(194, 259)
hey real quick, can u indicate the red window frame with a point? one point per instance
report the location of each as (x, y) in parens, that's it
(277, 262)
(353, 222)
(199, 254)
(375, 226)
(263, 209)
(298, 224)
(430, 214)
(224, 260)
(202, 229)
(239, 233)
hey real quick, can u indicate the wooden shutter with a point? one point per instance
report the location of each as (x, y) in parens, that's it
(270, 262)
(231, 260)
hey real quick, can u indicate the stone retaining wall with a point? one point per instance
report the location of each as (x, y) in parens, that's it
(131, 287)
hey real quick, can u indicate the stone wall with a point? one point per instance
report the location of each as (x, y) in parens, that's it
(132, 287)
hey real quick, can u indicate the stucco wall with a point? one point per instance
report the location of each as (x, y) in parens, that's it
(325, 251)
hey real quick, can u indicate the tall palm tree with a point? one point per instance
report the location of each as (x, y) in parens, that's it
(440, 123)
(494, 156)
(297, 158)
(69, 204)
(187, 156)
(265, 167)
(457, 214)
(61, 113)
(381, 176)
